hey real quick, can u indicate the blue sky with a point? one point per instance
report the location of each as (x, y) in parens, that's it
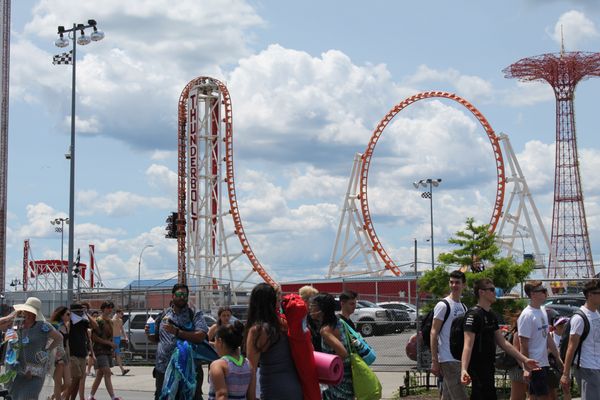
(309, 82)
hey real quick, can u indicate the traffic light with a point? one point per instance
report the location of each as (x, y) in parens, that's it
(172, 226)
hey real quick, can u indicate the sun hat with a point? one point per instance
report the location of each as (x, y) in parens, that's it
(561, 320)
(32, 305)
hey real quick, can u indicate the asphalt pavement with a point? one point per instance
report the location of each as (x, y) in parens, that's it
(138, 384)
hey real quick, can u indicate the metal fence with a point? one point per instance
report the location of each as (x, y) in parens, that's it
(389, 345)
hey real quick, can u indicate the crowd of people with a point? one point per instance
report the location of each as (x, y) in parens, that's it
(255, 361)
(537, 335)
(65, 348)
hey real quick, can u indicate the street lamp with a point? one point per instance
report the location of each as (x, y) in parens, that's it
(140, 262)
(16, 283)
(429, 195)
(61, 221)
(63, 41)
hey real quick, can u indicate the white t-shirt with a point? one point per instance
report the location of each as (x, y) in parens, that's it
(533, 325)
(439, 312)
(590, 349)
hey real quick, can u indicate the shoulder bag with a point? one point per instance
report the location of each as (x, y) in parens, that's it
(365, 383)
(363, 349)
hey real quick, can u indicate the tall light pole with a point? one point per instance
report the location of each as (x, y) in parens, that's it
(61, 221)
(429, 195)
(83, 39)
(140, 262)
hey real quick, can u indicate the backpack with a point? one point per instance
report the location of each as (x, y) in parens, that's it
(457, 334)
(503, 360)
(427, 324)
(564, 339)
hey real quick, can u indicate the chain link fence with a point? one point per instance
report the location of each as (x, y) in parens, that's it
(389, 336)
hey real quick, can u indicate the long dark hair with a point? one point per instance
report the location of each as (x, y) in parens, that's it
(58, 313)
(326, 304)
(262, 312)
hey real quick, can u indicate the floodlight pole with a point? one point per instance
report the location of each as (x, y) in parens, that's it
(72, 174)
(71, 154)
(431, 183)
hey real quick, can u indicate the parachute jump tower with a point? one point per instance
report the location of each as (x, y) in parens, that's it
(570, 252)
(208, 218)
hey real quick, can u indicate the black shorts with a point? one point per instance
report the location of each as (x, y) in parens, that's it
(538, 383)
(482, 382)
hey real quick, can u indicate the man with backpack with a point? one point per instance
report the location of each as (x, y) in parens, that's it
(178, 322)
(535, 340)
(584, 343)
(481, 335)
(442, 362)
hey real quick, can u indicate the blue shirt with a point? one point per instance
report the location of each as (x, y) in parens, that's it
(167, 341)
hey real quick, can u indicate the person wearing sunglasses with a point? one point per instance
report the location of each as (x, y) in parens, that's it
(175, 325)
(481, 335)
(584, 349)
(535, 340)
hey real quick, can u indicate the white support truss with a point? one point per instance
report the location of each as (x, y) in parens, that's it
(208, 233)
(520, 219)
(353, 252)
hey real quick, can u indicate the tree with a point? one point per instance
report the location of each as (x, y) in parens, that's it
(477, 245)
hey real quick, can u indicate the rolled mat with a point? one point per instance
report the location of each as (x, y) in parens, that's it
(330, 368)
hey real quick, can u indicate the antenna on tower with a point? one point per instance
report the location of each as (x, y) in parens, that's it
(562, 42)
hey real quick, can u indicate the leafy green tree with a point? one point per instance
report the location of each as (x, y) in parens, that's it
(476, 245)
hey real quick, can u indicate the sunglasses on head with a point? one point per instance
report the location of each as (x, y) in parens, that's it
(181, 294)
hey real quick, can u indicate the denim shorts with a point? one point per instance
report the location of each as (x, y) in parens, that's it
(103, 361)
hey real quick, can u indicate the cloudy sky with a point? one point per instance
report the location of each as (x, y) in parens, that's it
(309, 82)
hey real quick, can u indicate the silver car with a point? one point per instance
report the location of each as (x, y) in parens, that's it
(410, 309)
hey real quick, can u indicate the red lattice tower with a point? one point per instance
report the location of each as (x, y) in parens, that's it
(570, 252)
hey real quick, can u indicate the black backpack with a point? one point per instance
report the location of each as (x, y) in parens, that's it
(428, 323)
(457, 334)
(503, 360)
(564, 339)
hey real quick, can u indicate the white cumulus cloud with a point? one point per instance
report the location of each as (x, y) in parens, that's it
(576, 29)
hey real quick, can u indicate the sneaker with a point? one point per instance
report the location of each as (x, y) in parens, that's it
(90, 397)
(125, 372)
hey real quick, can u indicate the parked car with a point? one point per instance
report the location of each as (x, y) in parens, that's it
(240, 311)
(370, 319)
(410, 309)
(575, 300)
(134, 323)
(563, 310)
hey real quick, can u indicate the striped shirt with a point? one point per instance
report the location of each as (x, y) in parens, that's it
(237, 379)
